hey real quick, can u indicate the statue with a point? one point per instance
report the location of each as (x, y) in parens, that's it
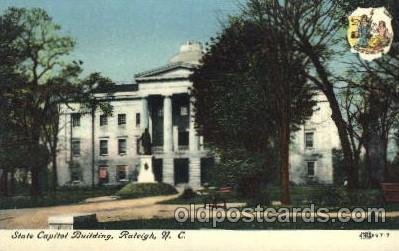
(146, 142)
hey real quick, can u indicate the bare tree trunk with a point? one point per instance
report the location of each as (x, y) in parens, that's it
(386, 171)
(284, 158)
(54, 147)
(327, 88)
(4, 183)
(35, 186)
(92, 146)
(343, 135)
(12, 182)
(54, 171)
(35, 165)
(376, 159)
(376, 141)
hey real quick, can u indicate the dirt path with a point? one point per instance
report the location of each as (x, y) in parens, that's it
(106, 211)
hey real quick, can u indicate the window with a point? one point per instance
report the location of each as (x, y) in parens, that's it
(122, 146)
(103, 147)
(121, 172)
(103, 120)
(103, 174)
(181, 171)
(75, 119)
(309, 141)
(121, 119)
(76, 147)
(183, 138)
(75, 173)
(311, 168)
(137, 119)
(183, 111)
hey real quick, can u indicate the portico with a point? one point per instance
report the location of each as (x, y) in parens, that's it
(160, 101)
(168, 112)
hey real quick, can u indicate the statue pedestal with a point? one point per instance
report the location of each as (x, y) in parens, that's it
(146, 175)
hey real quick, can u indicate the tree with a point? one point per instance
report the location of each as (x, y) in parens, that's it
(8, 128)
(354, 106)
(252, 75)
(40, 50)
(60, 90)
(39, 81)
(379, 84)
(315, 33)
(91, 101)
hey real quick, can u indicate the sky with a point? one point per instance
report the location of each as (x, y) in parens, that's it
(120, 38)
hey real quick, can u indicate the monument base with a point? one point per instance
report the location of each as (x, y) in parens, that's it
(146, 175)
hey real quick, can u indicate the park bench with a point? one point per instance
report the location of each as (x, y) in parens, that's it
(390, 192)
(73, 221)
(218, 199)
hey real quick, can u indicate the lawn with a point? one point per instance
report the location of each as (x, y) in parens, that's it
(391, 223)
(63, 196)
(327, 196)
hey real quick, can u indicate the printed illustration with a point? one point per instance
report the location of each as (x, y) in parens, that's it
(370, 32)
(149, 114)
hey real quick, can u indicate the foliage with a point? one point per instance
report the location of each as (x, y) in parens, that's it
(139, 190)
(340, 196)
(261, 198)
(236, 86)
(337, 165)
(372, 87)
(247, 172)
(36, 77)
(188, 194)
(346, 7)
(252, 72)
(390, 223)
(64, 196)
(35, 64)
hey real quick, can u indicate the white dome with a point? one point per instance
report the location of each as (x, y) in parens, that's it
(190, 52)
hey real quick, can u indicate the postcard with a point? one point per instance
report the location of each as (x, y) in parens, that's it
(192, 125)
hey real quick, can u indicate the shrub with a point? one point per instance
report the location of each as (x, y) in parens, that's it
(341, 197)
(138, 190)
(261, 198)
(247, 173)
(188, 194)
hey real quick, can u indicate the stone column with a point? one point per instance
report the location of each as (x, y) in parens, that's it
(201, 140)
(167, 125)
(193, 136)
(176, 138)
(144, 116)
(195, 172)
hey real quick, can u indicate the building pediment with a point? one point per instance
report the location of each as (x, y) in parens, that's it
(170, 71)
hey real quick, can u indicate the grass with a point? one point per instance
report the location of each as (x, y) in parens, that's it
(390, 223)
(321, 196)
(63, 196)
(200, 199)
(140, 190)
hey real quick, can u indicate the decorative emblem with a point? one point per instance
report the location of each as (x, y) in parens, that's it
(370, 32)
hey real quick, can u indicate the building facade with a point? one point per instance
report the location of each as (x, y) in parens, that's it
(311, 150)
(160, 100)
